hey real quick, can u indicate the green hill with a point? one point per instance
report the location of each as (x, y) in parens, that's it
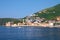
(49, 13)
(4, 20)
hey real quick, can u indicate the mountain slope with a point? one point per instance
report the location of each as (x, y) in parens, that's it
(4, 20)
(49, 13)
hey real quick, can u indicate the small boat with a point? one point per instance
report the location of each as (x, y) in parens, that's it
(19, 27)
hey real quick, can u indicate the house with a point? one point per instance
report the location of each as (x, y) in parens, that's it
(8, 23)
(58, 18)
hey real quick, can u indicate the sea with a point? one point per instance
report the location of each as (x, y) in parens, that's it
(29, 33)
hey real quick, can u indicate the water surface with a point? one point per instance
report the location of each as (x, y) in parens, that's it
(29, 33)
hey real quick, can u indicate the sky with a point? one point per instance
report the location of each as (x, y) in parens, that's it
(22, 8)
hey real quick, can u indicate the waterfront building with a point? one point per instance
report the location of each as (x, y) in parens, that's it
(8, 23)
(14, 25)
(58, 18)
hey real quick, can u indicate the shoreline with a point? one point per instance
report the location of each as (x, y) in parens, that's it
(57, 26)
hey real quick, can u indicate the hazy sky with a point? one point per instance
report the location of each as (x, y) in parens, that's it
(22, 8)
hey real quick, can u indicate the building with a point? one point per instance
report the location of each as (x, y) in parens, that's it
(58, 18)
(8, 23)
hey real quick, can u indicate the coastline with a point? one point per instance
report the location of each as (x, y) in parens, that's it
(57, 26)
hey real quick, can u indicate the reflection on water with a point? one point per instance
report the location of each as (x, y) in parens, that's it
(29, 33)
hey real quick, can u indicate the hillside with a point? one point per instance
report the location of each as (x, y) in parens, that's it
(49, 13)
(4, 20)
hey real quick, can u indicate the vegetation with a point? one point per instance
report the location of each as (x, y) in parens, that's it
(4, 20)
(50, 13)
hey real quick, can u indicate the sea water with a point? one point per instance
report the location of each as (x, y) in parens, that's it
(29, 33)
